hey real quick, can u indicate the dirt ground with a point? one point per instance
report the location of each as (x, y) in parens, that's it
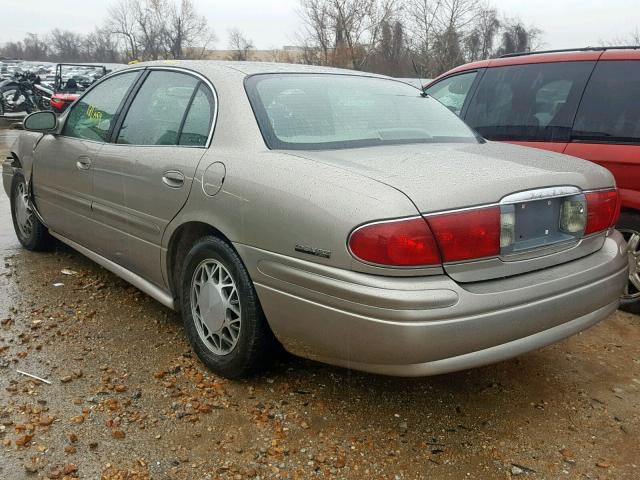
(128, 399)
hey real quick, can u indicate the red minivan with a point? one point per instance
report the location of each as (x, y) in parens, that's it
(583, 102)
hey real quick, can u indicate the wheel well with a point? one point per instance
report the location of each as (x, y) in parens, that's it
(16, 161)
(180, 244)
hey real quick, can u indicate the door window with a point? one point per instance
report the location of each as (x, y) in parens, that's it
(197, 125)
(535, 102)
(92, 117)
(453, 91)
(156, 113)
(610, 109)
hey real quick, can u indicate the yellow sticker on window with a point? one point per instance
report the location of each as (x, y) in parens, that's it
(94, 114)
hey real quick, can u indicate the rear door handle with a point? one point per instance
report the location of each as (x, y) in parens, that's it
(83, 163)
(173, 179)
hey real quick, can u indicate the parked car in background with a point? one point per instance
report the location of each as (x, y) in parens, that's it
(583, 102)
(343, 214)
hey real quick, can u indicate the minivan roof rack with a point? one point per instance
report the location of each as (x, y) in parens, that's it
(563, 50)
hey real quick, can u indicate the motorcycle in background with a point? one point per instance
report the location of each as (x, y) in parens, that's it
(23, 94)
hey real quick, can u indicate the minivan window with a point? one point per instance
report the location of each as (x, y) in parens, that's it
(156, 112)
(329, 111)
(535, 102)
(610, 108)
(453, 91)
(91, 117)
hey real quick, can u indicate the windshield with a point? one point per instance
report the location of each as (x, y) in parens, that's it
(332, 111)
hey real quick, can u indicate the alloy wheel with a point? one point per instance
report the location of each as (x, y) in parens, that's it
(632, 290)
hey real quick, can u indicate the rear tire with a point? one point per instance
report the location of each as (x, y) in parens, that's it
(629, 226)
(221, 312)
(31, 233)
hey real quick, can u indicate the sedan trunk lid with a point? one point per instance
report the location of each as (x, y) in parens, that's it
(443, 177)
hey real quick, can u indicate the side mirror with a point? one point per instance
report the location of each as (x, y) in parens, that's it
(44, 121)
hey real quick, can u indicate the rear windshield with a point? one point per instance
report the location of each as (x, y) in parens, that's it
(332, 111)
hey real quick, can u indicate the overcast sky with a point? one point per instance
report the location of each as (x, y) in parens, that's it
(272, 24)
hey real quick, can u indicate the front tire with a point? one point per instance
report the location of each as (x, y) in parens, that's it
(629, 226)
(221, 312)
(31, 233)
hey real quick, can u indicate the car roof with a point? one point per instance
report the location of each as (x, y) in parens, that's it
(586, 54)
(250, 68)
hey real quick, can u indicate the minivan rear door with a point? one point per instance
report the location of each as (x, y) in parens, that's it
(529, 104)
(607, 125)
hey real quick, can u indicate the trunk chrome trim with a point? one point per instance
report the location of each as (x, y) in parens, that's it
(541, 194)
(137, 281)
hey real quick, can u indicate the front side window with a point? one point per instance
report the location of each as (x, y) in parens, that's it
(535, 102)
(453, 91)
(92, 117)
(610, 109)
(156, 113)
(328, 111)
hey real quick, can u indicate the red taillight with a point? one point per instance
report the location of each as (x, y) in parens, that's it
(399, 243)
(603, 210)
(448, 237)
(467, 234)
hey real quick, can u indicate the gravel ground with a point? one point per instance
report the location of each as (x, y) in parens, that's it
(128, 399)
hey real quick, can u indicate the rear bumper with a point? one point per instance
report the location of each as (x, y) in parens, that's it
(431, 325)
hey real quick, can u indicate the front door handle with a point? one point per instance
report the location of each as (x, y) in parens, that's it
(83, 163)
(173, 179)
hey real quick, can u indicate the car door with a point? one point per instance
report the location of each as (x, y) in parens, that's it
(144, 177)
(607, 125)
(62, 169)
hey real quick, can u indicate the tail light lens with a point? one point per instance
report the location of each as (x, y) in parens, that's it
(400, 243)
(428, 241)
(603, 210)
(467, 234)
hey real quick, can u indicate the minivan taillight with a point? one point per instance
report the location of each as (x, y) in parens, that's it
(395, 243)
(603, 210)
(467, 234)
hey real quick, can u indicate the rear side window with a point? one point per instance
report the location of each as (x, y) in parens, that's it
(536, 102)
(92, 116)
(453, 91)
(197, 125)
(610, 109)
(156, 113)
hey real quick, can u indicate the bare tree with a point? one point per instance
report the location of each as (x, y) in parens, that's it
(12, 50)
(632, 38)
(240, 45)
(34, 48)
(101, 46)
(480, 42)
(153, 29)
(516, 37)
(186, 34)
(316, 37)
(121, 22)
(392, 54)
(65, 45)
(343, 32)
